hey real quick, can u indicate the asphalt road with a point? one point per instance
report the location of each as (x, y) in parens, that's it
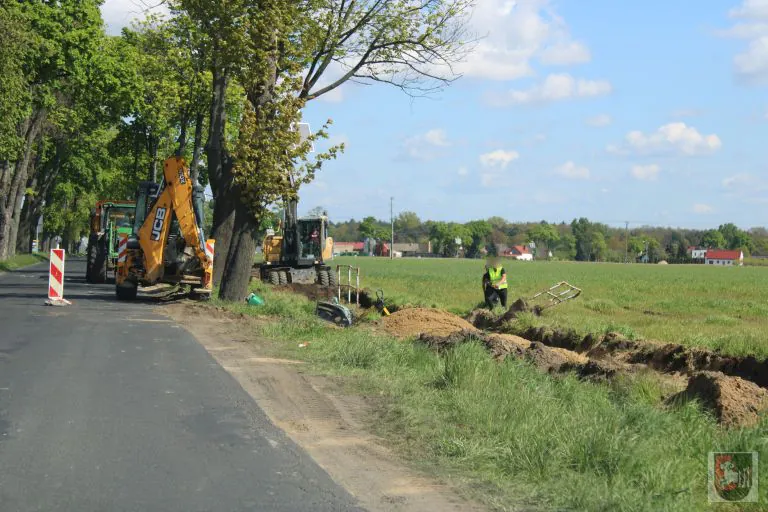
(105, 406)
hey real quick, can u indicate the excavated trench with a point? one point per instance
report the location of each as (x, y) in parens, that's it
(732, 388)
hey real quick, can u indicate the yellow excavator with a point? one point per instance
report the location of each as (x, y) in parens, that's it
(299, 252)
(167, 244)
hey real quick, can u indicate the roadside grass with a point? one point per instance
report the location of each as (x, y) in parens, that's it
(19, 261)
(695, 305)
(508, 434)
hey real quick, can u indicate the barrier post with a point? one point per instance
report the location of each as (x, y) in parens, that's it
(56, 278)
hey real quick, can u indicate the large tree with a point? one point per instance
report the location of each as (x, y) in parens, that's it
(284, 54)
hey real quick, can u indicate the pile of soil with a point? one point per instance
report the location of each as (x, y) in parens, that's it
(663, 357)
(408, 323)
(734, 401)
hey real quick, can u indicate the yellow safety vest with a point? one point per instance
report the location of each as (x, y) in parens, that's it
(495, 275)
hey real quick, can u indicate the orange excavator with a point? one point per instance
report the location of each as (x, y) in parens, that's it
(167, 244)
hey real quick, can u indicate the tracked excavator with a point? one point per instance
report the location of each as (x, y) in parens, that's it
(299, 252)
(167, 244)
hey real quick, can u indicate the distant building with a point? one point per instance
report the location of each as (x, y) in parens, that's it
(412, 249)
(721, 257)
(519, 252)
(697, 253)
(347, 247)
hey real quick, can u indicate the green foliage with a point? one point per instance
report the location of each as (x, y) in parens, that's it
(444, 236)
(545, 234)
(713, 239)
(14, 84)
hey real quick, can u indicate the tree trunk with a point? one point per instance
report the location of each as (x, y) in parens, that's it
(10, 203)
(153, 143)
(194, 166)
(220, 173)
(224, 213)
(24, 237)
(237, 271)
(182, 140)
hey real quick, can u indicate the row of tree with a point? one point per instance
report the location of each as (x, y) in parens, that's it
(580, 240)
(85, 116)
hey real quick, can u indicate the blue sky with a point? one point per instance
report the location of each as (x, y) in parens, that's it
(650, 112)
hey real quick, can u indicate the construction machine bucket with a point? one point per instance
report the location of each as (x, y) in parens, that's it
(334, 312)
(556, 294)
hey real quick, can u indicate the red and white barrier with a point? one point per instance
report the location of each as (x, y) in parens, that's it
(209, 248)
(122, 249)
(56, 278)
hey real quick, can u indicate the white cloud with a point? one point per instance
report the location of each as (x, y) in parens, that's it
(751, 9)
(499, 158)
(565, 54)
(750, 66)
(513, 33)
(702, 208)
(333, 96)
(426, 146)
(572, 171)
(742, 180)
(463, 171)
(119, 13)
(556, 87)
(437, 138)
(670, 138)
(599, 120)
(646, 172)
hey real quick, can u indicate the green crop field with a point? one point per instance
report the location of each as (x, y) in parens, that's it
(725, 308)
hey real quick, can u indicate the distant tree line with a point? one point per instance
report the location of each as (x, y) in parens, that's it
(580, 240)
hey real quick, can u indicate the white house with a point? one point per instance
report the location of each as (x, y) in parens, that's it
(697, 253)
(519, 252)
(721, 257)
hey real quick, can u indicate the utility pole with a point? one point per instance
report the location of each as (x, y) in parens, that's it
(626, 241)
(392, 227)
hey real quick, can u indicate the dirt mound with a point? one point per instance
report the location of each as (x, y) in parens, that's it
(485, 319)
(501, 346)
(413, 322)
(734, 401)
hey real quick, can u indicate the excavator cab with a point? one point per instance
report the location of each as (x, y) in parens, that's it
(299, 254)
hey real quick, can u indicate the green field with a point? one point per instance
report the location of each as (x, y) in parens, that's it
(725, 308)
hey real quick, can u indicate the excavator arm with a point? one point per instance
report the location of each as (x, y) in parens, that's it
(176, 199)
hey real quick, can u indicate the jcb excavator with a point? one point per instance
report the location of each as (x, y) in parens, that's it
(167, 244)
(300, 252)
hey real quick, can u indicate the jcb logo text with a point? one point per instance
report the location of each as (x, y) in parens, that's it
(157, 226)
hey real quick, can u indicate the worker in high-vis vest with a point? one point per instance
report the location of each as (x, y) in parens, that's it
(495, 284)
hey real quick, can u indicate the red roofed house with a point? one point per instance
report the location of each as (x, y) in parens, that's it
(346, 247)
(519, 252)
(722, 257)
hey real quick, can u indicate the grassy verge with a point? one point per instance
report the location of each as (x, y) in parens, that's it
(511, 435)
(19, 261)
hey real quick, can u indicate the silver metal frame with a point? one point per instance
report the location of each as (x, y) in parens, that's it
(558, 294)
(350, 271)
